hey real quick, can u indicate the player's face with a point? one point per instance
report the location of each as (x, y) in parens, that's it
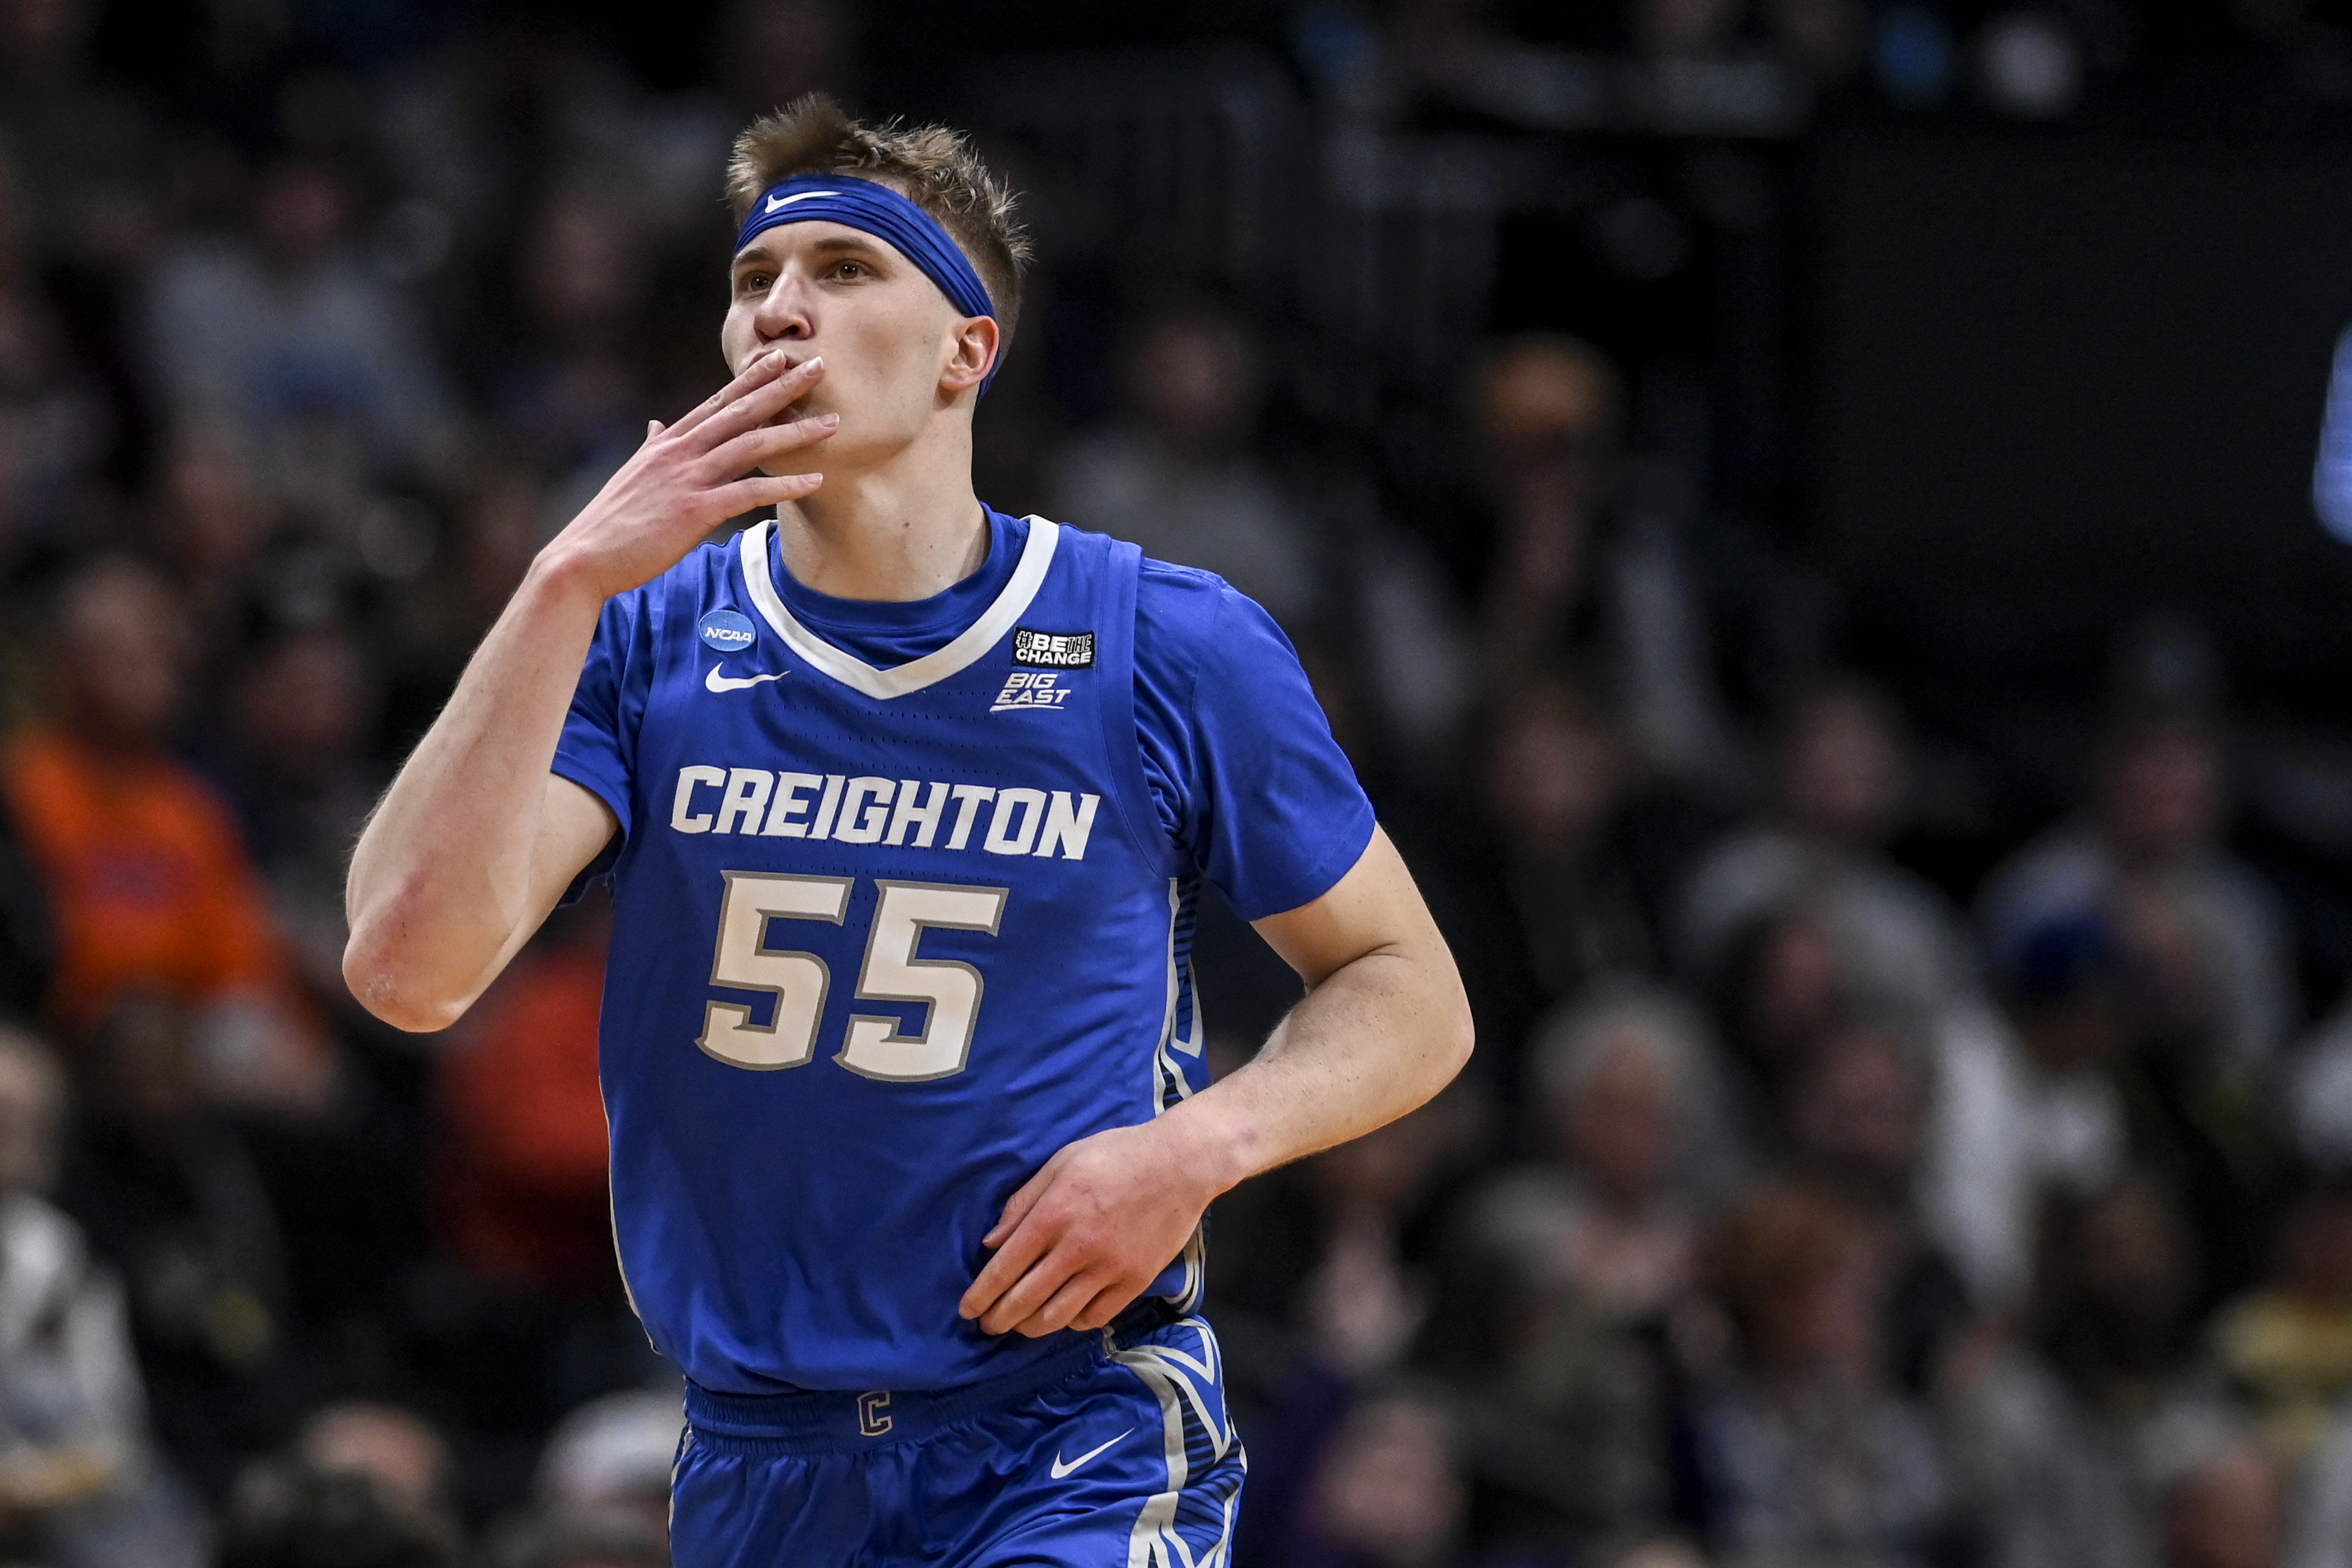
(896, 352)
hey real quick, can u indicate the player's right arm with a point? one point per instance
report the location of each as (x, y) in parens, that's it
(476, 840)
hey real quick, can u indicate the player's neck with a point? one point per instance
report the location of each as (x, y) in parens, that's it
(905, 531)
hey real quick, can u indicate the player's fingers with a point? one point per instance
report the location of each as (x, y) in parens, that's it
(1035, 1288)
(758, 404)
(1063, 1307)
(653, 428)
(762, 369)
(1107, 1305)
(1017, 1207)
(1014, 1260)
(765, 443)
(763, 490)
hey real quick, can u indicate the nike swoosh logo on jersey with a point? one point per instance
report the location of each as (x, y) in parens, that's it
(777, 203)
(1061, 1469)
(715, 682)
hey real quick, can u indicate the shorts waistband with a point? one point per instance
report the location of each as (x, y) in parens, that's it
(828, 1420)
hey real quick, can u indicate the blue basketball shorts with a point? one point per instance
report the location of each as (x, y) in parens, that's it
(1116, 1454)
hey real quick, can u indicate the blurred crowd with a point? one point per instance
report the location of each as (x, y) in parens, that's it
(1816, 1199)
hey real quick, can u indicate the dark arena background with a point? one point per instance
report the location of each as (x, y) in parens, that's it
(1823, 525)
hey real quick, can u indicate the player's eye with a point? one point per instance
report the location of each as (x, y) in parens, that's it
(849, 269)
(754, 283)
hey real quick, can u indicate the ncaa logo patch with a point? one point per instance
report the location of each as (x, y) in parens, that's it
(729, 631)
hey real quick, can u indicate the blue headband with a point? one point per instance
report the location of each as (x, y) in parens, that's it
(882, 212)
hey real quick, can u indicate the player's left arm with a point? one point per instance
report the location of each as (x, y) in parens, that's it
(1384, 1026)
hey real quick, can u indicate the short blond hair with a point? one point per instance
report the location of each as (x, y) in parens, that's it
(930, 165)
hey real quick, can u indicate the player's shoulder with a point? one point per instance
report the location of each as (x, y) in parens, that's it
(1178, 608)
(1183, 611)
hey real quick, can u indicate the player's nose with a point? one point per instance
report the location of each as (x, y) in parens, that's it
(785, 313)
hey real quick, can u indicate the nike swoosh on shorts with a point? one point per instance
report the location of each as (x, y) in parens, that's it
(1061, 1469)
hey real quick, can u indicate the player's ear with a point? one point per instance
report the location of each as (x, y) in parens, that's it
(972, 354)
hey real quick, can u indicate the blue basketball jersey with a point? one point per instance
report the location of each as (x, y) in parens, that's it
(886, 936)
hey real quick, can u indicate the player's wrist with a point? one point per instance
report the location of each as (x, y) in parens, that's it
(1219, 1147)
(564, 576)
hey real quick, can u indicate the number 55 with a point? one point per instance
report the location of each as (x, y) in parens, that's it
(874, 1046)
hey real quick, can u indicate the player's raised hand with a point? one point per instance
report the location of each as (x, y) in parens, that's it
(1087, 1234)
(690, 477)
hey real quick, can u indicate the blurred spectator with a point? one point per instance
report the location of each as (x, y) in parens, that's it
(1583, 571)
(285, 1515)
(1806, 1450)
(1580, 1263)
(1632, 1125)
(503, 519)
(1320, 1277)
(211, 519)
(1853, 1115)
(169, 1189)
(1841, 775)
(2023, 1114)
(302, 706)
(574, 395)
(2069, 1438)
(1177, 474)
(523, 1195)
(55, 425)
(1388, 1488)
(1856, 1117)
(150, 885)
(1387, 1494)
(1587, 857)
(2147, 858)
(2319, 1522)
(397, 1452)
(78, 1484)
(610, 1460)
(2288, 1344)
(2315, 1102)
(84, 148)
(1780, 993)
(2227, 1512)
(1333, 1248)
(284, 333)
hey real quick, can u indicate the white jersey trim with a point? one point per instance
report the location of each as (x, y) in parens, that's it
(933, 667)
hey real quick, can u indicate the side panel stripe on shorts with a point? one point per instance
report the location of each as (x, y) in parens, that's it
(1171, 1376)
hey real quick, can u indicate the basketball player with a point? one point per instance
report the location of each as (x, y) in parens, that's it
(904, 802)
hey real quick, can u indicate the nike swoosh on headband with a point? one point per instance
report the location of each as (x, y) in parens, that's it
(777, 203)
(715, 682)
(1061, 1469)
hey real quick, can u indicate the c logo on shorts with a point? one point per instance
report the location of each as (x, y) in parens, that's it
(871, 1420)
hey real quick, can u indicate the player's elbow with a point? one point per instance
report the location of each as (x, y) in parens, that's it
(1457, 1032)
(395, 986)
